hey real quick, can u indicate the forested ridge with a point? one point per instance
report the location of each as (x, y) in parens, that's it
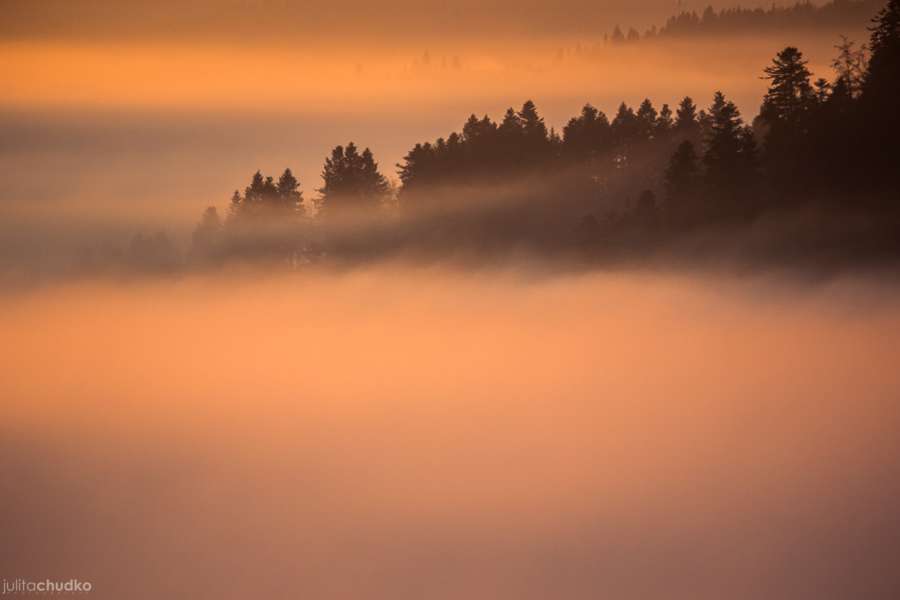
(834, 15)
(823, 150)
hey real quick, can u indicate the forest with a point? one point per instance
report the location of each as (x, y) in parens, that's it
(812, 176)
(834, 15)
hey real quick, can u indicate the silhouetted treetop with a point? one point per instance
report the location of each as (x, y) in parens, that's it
(730, 147)
(351, 181)
(882, 79)
(790, 93)
(586, 135)
(264, 198)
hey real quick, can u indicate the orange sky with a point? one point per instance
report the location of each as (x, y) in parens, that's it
(383, 22)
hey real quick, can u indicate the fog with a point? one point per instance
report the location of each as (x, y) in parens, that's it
(460, 400)
(395, 432)
(145, 134)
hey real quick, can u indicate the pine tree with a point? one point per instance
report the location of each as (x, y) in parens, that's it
(234, 208)
(664, 123)
(882, 80)
(646, 118)
(418, 166)
(586, 135)
(880, 96)
(682, 173)
(511, 128)
(790, 95)
(850, 66)
(510, 134)
(625, 126)
(254, 193)
(686, 117)
(704, 124)
(536, 144)
(723, 144)
(351, 181)
(289, 194)
(822, 90)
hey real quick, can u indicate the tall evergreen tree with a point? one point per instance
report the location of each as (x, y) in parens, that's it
(682, 174)
(259, 199)
(234, 208)
(535, 140)
(882, 80)
(664, 123)
(790, 93)
(586, 135)
(850, 66)
(625, 127)
(510, 138)
(646, 119)
(351, 181)
(880, 97)
(686, 122)
(289, 194)
(511, 128)
(728, 166)
(785, 121)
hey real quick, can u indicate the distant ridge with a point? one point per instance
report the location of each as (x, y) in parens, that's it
(836, 15)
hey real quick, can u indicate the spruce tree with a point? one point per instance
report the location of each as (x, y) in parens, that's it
(682, 173)
(535, 141)
(664, 123)
(790, 94)
(880, 96)
(723, 144)
(686, 123)
(646, 118)
(882, 80)
(289, 195)
(351, 181)
(625, 127)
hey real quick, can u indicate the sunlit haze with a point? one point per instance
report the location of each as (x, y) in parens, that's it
(460, 300)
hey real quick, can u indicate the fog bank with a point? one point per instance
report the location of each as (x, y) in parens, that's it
(399, 432)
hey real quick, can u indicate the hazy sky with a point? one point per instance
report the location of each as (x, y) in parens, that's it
(336, 20)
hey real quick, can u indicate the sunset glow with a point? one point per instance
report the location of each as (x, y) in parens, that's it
(508, 300)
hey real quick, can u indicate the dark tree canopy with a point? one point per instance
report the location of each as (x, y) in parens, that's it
(882, 78)
(266, 199)
(664, 122)
(730, 147)
(587, 134)
(880, 96)
(686, 117)
(352, 181)
(682, 174)
(646, 118)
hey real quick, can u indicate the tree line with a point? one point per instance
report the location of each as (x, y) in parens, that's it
(829, 142)
(836, 14)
